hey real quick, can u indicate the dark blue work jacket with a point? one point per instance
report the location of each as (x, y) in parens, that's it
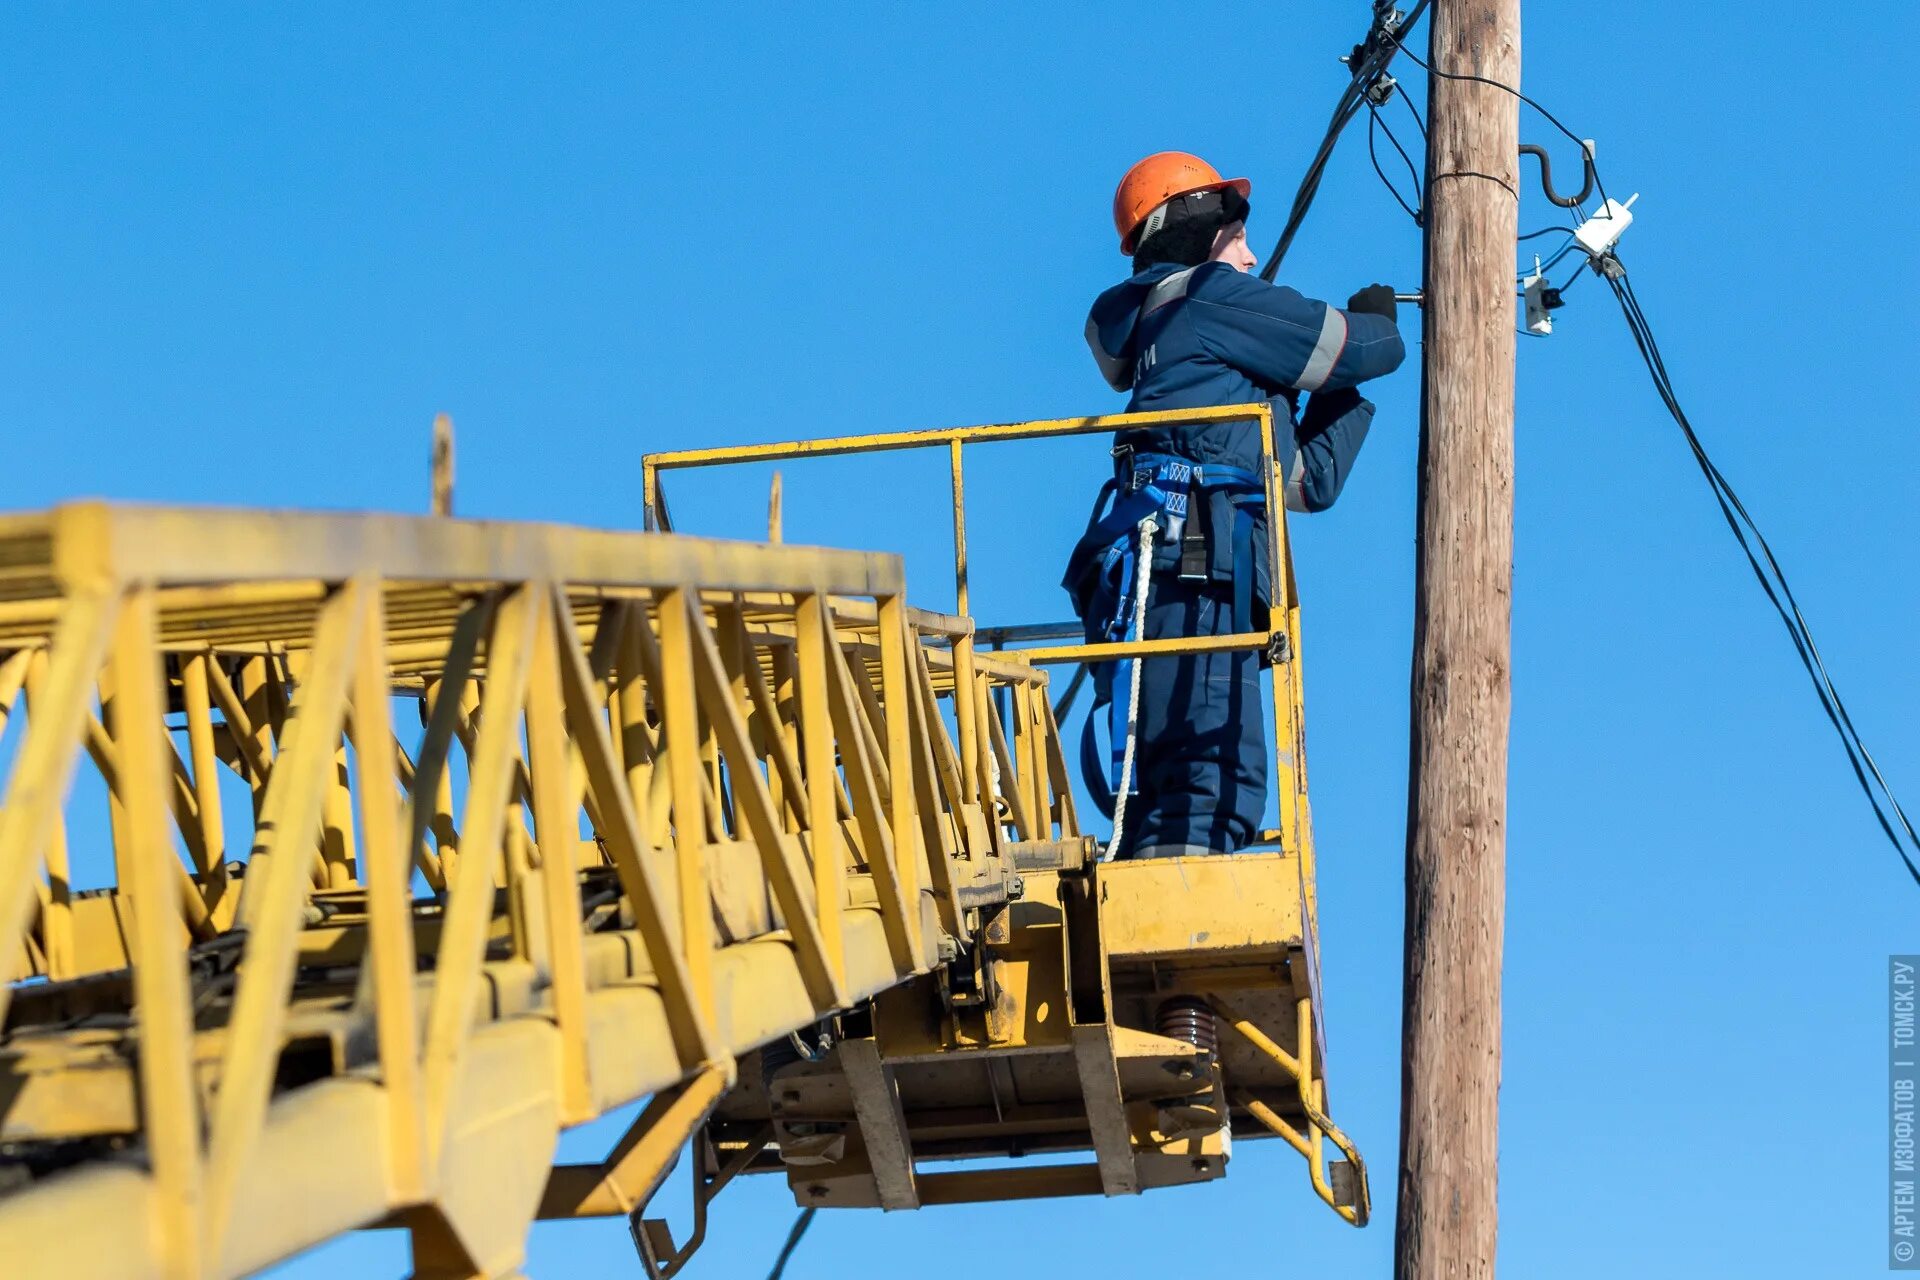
(1196, 337)
(1190, 338)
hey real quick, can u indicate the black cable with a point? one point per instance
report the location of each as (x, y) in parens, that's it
(1303, 197)
(1374, 123)
(1065, 705)
(1527, 273)
(1413, 170)
(1494, 178)
(1400, 90)
(800, 1225)
(1381, 43)
(1416, 213)
(1550, 118)
(1412, 110)
(1371, 58)
(1579, 273)
(1798, 625)
(1773, 581)
(1558, 256)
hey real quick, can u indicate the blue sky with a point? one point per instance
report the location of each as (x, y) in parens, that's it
(250, 250)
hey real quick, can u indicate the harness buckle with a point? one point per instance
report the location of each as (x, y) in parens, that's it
(1193, 552)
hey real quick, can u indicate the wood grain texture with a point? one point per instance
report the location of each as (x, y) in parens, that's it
(1456, 833)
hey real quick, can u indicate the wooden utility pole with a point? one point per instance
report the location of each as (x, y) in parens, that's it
(1457, 807)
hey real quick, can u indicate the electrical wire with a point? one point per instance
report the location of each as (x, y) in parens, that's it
(1370, 60)
(1579, 273)
(1773, 581)
(1412, 110)
(1559, 255)
(1394, 37)
(1887, 810)
(1412, 210)
(800, 1225)
(1375, 123)
(1369, 64)
(1418, 215)
(1382, 42)
(1065, 705)
(1412, 170)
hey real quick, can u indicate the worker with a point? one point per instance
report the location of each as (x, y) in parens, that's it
(1193, 328)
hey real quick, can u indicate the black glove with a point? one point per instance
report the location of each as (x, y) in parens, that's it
(1377, 300)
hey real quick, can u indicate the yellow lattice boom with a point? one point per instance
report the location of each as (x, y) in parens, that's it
(421, 840)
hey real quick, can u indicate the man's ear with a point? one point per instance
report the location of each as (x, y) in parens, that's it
(1223, 239)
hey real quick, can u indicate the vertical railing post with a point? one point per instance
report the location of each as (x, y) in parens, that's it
(337, 844)
(43, 769)
(966, 715)
(909, 849)
(278, 876)
(1279, 605)
(197, 696)
(170, 1110)
(623, 805)
(682, 737)
(58, 909)
(556, 817)
(386, 868)
(812, 628)
(470, 889)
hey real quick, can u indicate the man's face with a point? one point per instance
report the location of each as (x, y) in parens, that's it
(1230, 247)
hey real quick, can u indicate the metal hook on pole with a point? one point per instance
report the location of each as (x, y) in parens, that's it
(1546, 173)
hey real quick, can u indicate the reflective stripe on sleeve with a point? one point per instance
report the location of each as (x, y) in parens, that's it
(1295, 491)
(1326, 352)
(1117, 372)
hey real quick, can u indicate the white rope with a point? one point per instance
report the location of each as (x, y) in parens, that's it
(1148, 527)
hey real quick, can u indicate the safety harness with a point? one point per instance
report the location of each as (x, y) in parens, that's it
(1205, 515)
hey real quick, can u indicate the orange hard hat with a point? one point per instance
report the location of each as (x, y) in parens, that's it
(1158, 179)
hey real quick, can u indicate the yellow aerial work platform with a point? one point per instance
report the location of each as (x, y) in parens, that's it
(729, 827)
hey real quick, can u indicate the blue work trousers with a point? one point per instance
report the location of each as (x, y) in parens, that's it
(1200, 748)
(1200, 751)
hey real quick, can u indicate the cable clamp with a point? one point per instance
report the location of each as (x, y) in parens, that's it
(1387, 20)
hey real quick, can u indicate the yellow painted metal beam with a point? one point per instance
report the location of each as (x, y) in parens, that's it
(94, 542)
(889, 441)
(1049, 654)
(640, 1160)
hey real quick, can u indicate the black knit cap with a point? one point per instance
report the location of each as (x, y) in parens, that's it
(1182, 230)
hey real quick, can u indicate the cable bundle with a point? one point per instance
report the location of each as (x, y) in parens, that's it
(1368, 61)
(1773, 581)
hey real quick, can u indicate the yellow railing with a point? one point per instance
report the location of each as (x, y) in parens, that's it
(1280, 640)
